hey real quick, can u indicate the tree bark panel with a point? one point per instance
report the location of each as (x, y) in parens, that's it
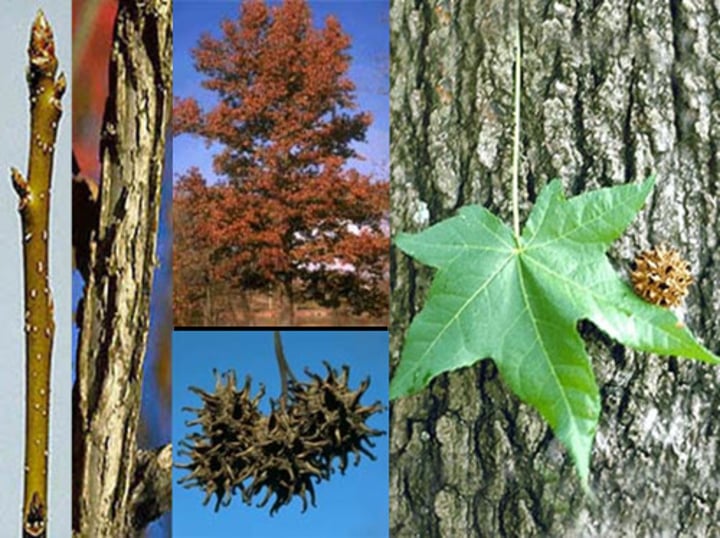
(612, 92)
(116, 315)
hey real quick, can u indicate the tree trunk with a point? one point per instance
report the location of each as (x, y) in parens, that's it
(612, 92)
(208, 316)
(287, 304)
(242, 314)
(118, 488)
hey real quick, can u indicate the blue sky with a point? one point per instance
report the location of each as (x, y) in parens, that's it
(365, 22)
(350, 505)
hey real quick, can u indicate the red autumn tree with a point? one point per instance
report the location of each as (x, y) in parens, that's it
(191, 269)
(289, 211)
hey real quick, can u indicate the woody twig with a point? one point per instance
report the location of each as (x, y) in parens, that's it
(34, 206)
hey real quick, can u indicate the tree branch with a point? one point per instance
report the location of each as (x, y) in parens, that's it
(34, 207)
(116, 310)
(151, 492)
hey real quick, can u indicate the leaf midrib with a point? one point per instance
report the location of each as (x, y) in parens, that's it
(584, 224)
(598, 297)
(466, 246)
(575, 431)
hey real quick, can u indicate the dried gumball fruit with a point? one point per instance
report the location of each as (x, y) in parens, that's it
(288, 463)
(285, 453)
(661, 276)
(332, 415)
(224, 454)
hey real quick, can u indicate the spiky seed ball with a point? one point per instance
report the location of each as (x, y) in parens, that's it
(284, 453)
(330, 414)
(223, 454)
(323, 419)
(287, 462)
(661, 276)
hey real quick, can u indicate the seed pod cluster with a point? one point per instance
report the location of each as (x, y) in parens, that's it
(661, 276)
(284, 453)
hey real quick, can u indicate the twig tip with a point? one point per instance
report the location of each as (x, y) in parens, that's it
(40, 19)
(42, 46)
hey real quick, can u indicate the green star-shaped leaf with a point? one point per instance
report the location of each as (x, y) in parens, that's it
(518, 302)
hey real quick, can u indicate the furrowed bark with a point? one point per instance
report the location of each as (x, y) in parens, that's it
(34, 192)
(116, 312)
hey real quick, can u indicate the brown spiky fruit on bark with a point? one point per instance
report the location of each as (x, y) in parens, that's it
(661, 276)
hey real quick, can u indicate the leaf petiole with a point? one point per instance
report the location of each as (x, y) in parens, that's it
(516, 140)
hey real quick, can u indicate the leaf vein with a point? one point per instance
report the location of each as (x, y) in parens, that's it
(545, 354)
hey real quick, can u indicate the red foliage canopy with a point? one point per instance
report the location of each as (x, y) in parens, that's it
(290, 210)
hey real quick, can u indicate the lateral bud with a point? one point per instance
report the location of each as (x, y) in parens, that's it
(60, 86)
(18, 182)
